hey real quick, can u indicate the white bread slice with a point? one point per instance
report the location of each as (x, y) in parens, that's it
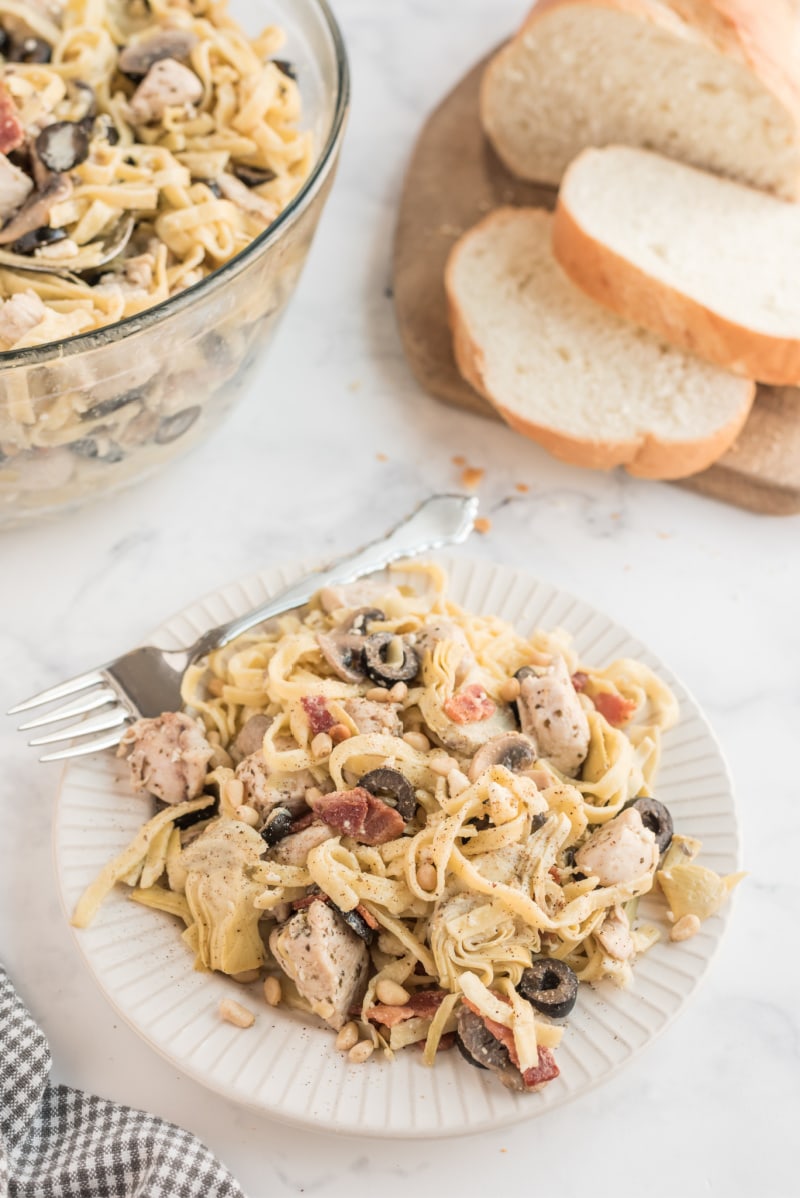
(710, 265)
(589, 387)
(709, 82)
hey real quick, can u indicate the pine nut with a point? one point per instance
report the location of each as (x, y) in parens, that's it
(235, 1013)
(443, 765)
(457, 782)
(321, 745)
(509, 691)
(234, 792)
(686, 927)
(324, 1008)
(248, 815)
(312, 794)
(427, 876)
(215, 687)
(272, 991)
(361, 1052)
(390, 993)
(348, 1037)
(417, 740)
(399, 692)
(339, 732)
(378, 694)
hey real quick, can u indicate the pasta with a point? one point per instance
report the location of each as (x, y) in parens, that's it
(425, 870)
(143, 145)
(162, 111)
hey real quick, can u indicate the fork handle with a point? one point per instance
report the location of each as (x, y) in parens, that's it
(438, 521)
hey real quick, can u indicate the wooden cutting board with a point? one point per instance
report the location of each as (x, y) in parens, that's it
(453, 180)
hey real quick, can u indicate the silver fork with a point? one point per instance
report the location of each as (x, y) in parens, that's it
(147, 681)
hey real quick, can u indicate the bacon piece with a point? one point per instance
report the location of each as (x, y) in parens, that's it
(555, 873)
(422, 1005)
(319, 718)
(580, 680)
(470, 705)
(543, 1071)
(368, 917)
(302, 822)
(12, 134)
(308, 899)
(359, 814)
(615, 709)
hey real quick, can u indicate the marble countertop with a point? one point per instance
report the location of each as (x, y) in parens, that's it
(333, 441)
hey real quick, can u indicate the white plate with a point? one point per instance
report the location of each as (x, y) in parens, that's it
(289, 1070)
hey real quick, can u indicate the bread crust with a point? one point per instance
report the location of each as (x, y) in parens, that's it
(742, 30)
(646, 457)
(626, 289)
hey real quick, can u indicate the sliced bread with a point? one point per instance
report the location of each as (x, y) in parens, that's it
(708, 264)
(589, 387)
(709, 82)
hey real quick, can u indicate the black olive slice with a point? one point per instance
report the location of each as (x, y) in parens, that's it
(376, 650)
(44, 235)
(286, 68)
(176, 426)
(357, 923)
(30, 49)
(105, 407)
(343, 653)
(550, 986)
(657, 818)
(191, 817)
(391, 786)
(278, 825)
(253, 176)
(137, 59)
(512, 750)
(361, 619)
(62, 146)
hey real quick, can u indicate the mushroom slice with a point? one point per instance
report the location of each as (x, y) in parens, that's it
(35, 212)
(514, 750)
(250, 738)
(342, 651)
(551, 713)
(138, 57)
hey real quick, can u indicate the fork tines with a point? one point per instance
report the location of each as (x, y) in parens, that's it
(92, 699)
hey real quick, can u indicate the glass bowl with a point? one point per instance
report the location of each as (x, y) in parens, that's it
(90, 414)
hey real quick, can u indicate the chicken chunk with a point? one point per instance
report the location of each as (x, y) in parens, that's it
(620, 851)
(246, 199)
(18, 315)
(294, 849)
(550, 713)
(264, 790)
(168, 84)
(167, 756)
(326, 961)
(614, 936)
(15, 187)
(369, 716)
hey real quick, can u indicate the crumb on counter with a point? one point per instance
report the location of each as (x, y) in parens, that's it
(522, 488)
(459, 460)
(472, 476)
(483, 524)
(381, 457)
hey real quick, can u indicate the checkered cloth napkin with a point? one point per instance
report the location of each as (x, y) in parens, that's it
(61, 1143)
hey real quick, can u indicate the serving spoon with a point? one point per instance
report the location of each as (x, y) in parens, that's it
(91, 257)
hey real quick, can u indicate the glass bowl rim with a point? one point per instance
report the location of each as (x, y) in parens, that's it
(37, 355)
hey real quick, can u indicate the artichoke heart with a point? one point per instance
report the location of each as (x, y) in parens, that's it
(695, 890)
(223, 877)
